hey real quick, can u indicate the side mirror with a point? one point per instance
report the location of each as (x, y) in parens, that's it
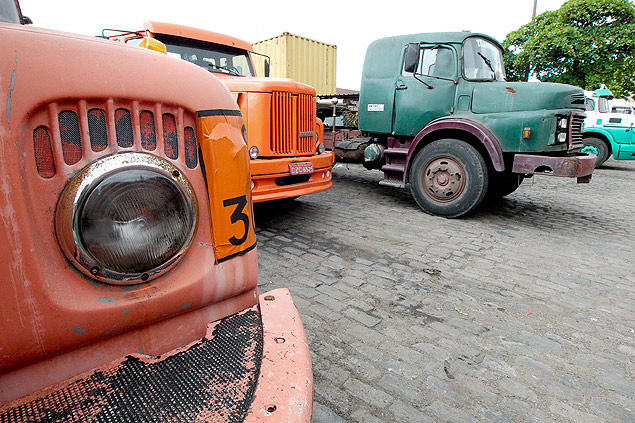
(267, 67)
(411, 61)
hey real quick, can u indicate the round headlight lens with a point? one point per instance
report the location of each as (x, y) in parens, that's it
(134, 220)
(126, 218)
(254, 152)
(321, 148)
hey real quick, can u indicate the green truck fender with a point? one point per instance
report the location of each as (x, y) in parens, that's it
(448, 128)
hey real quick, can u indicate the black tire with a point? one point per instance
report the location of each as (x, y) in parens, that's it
(448, 178)
(603, 149)
(502, 184)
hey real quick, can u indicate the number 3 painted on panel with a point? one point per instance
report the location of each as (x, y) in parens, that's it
(237, 215)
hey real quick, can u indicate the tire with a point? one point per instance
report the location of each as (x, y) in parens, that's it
(603, 149)
(448, 178)
(502, 184)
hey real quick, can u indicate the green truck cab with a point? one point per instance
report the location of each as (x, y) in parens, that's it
(607, 133)
(436, 112)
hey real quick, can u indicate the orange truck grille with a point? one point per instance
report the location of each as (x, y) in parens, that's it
(292, 124)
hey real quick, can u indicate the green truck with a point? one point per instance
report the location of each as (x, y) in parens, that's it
(607, 133)
(436, 113)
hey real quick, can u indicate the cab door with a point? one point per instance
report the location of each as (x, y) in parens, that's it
(623, 130)
(428, 93)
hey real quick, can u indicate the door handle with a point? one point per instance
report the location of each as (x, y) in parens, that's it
(401, 86)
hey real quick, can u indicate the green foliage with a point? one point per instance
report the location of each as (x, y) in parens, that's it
(584, 43)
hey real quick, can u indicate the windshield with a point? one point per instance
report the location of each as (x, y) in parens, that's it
(603, 105)
(213, 57)
(482, 60)
(9, 11)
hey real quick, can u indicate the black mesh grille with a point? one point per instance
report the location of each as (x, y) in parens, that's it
(123, 127)
(43, 152)
(70, 137)
(212, 381)
(191, 149)
(148, 131)
(170, 138)
(97, 130)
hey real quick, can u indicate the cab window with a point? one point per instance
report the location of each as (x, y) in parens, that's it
(603, 105)
(437, 62)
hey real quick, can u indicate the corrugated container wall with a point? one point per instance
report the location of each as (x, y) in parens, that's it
(301, 59)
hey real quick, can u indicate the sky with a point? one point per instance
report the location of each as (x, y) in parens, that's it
(350, 25)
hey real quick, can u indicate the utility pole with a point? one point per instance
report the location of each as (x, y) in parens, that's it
(533, 17)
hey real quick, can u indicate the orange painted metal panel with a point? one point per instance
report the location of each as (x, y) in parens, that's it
(230, 203)
(285, 385)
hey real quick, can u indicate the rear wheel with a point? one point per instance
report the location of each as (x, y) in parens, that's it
(448, 178)
(600, 146)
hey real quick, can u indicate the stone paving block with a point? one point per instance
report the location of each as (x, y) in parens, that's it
(363, 318)
(449, 413)
(406, 413)
(368, 394)
(323, 414)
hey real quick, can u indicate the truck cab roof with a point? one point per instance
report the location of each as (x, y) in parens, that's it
(196, 34)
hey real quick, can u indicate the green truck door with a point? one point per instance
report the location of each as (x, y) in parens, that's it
(429, 93)
(622, 131)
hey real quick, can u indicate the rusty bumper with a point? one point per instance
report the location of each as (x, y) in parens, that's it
(580, 166)
(252, 366)
(285, 384)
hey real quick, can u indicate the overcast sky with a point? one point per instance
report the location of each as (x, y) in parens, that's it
(350, 25)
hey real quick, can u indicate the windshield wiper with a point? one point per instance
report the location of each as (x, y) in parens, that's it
(225, 68)
(488, 63)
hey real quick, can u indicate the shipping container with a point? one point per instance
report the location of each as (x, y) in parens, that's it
(302, 59)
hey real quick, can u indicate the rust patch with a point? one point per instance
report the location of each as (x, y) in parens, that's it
(211, 380)
(511, 90)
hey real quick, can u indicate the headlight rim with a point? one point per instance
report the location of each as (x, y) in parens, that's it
(77, 190)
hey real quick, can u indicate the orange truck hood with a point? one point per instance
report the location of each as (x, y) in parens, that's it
(265, 85)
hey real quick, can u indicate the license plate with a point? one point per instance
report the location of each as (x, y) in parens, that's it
(301, 168)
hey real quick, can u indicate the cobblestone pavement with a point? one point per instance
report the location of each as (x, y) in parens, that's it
(523, 312)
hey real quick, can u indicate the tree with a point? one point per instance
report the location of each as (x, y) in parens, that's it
(584, 43)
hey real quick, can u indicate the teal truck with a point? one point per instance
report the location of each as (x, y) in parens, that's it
(607, 133)
(436, 113)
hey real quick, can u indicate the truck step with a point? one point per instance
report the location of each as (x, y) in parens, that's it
(399, 168)
(396, 151)
(391, 183)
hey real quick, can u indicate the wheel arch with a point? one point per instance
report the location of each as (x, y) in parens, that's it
(467, 131)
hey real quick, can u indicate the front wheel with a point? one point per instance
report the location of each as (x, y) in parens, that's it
(448, 178)
(600, 146)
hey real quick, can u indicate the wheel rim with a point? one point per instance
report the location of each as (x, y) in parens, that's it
(444, 179)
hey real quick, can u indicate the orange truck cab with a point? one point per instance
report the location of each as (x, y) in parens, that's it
(129, 271)
(284, 136)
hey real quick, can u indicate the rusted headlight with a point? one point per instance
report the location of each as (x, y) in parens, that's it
(126, 218)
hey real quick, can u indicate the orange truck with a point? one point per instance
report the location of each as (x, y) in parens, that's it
(129, 272)
(284, 136)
